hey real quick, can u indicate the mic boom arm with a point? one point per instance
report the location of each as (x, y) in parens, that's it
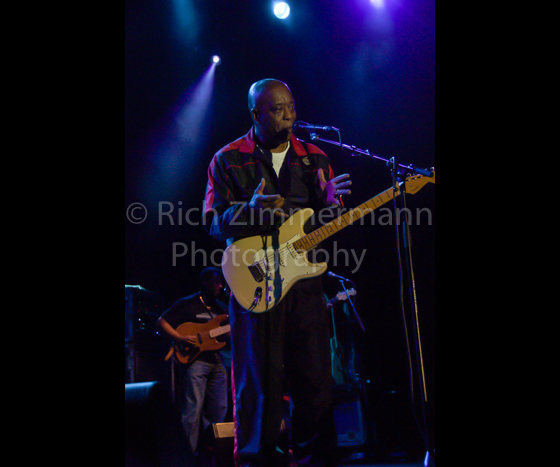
(355, 152)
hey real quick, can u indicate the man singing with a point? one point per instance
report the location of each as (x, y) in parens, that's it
(271, 171)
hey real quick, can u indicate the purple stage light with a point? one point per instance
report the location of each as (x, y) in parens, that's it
(183, 140)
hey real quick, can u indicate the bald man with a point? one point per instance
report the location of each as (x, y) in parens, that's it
(255, 184)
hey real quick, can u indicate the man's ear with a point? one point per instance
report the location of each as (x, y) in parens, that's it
(255, 114)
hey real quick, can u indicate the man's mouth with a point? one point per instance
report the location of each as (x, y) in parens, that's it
(285, 135)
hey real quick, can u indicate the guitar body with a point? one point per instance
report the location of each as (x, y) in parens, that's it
(205, 338)
(260, 278)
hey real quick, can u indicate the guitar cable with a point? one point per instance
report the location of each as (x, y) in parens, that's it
(259, 290)
(258, 298)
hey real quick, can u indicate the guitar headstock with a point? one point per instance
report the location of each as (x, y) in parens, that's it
(416, 183)
(344, 296)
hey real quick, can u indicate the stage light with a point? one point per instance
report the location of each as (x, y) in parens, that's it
(282, 10)
(216, 60)
(378, 3)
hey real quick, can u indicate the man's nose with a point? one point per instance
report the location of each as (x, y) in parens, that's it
(290, 115)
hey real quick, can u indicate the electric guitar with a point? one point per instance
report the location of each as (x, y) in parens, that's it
(261, 270)
(337, 354)
(206, 339)
(342, 297)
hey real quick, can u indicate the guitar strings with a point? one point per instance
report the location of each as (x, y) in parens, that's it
(271, 257)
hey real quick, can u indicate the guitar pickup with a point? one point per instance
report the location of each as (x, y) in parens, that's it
(257, 272)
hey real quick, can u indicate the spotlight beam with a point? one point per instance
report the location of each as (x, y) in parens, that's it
(177, 148)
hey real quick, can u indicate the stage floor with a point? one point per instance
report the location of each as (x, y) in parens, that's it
(382, 465)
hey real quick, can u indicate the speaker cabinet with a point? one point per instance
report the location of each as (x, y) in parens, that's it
(153, 433)
(145, 347)
(144, 364)
(351, 423)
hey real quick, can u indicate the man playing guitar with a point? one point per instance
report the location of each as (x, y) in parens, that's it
(205, 380)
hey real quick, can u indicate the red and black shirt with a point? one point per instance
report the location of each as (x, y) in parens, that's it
(236, 172)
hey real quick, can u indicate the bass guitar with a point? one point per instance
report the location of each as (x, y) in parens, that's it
(206, 339)
(341, 297)
(337, 354)
(261, 270)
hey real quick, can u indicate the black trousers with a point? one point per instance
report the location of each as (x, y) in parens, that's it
(286, 349)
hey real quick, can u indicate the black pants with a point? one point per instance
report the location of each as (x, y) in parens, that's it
(287, 348)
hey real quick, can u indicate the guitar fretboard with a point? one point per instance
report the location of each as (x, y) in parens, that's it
(315, 238)
(220, 331)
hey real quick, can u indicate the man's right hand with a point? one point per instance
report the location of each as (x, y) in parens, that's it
(190, 340)
(261, 201)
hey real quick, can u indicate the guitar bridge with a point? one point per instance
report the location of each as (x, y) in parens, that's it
(257, 272)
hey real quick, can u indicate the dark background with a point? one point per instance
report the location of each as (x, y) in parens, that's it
(369, 72)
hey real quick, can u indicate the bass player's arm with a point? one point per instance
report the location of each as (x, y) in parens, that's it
(168, 329)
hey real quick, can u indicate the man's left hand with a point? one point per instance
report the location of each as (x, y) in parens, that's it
(334, 188)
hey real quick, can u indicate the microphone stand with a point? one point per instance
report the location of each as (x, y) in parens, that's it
(399, 173)
(355, 152)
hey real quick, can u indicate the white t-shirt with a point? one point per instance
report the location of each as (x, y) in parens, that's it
(278, 159)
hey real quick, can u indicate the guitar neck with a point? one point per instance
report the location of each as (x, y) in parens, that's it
(334, 301)
(315, 238)
(220, 331)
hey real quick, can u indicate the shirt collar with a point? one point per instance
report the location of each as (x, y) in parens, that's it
(248, 144)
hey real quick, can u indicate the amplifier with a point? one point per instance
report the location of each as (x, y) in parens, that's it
(153, 432)
(142, 310)
(142, 364)
(351, 423)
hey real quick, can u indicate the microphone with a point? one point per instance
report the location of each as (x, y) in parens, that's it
(334, 276)
(307, 126)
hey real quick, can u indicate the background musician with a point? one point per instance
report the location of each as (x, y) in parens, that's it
(204, 381)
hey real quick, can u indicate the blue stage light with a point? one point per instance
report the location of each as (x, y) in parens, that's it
(282, 10)
(216, 59)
